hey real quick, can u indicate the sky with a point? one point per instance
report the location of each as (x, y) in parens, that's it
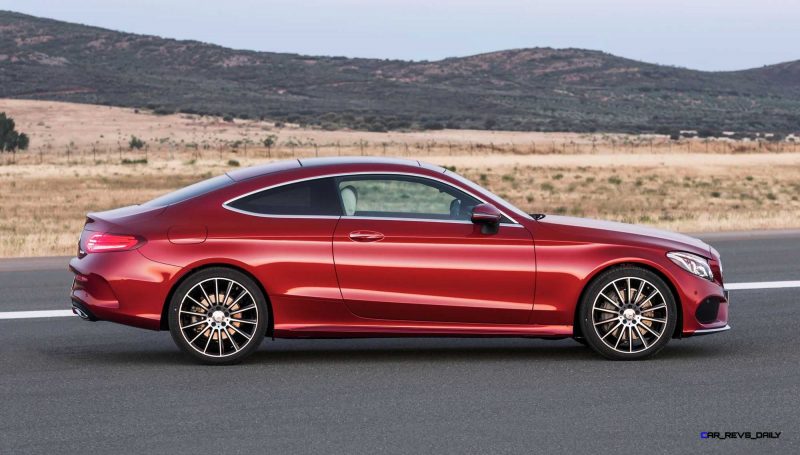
(715, 35)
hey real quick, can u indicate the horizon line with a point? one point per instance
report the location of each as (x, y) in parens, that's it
(417, 61)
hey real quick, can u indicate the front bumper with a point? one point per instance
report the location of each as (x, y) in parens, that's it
(711, 331)
(716, 322)
(705, 307)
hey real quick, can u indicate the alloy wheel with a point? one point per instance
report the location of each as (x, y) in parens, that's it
(218, 317)
(630, 315)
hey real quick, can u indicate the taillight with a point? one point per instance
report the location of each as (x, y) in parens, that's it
(101, 242)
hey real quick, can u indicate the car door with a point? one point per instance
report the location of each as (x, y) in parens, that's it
(405, 249)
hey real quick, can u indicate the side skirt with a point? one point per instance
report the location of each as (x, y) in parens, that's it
(416, 329)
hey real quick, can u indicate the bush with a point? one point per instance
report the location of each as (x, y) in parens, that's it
(233, 163)
(134, 161)
(11, 140)
(270, 141)
(136, 143)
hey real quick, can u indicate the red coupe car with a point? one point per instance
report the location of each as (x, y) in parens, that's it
(357, 247)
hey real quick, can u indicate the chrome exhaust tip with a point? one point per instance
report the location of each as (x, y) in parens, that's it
(81, 314)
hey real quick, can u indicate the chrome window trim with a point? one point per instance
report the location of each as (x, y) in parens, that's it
(347, 174)
(427, 220)
(266, 215)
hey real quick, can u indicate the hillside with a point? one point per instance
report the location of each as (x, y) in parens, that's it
(524, 89)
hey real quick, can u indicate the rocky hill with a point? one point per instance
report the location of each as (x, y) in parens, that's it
(522, 89)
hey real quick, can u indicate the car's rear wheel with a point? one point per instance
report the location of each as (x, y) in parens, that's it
(218, 316)
(628, 313)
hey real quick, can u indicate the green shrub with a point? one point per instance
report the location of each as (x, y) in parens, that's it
(134, 161)
(136, 143)
(11, 140)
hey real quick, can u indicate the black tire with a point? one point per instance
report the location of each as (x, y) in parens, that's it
(645, 318)
(215, 307)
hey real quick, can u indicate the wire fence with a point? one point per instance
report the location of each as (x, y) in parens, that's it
(228, 151)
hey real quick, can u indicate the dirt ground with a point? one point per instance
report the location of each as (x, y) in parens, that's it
(80, 161)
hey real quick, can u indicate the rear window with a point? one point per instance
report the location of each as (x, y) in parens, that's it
(197, 189)
(312, 198)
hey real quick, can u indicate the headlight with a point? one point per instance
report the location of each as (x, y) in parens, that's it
(692, 263)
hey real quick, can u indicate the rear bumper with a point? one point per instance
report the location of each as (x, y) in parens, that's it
(123, 287)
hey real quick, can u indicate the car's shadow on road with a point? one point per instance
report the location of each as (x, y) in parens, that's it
(533, 353)
(422, 354)
(294, 352)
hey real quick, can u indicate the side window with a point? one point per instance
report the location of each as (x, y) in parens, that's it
(312, 197)
(403, 197)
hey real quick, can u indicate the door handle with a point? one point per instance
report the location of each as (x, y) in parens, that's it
(365, 236)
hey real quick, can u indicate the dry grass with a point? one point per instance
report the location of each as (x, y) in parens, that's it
(64, 132)
(45, 195)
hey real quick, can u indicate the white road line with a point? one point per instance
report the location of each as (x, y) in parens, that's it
(35, 314)
(762, 285)
(728, 287)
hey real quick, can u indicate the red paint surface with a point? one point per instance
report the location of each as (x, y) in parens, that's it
(413, 278)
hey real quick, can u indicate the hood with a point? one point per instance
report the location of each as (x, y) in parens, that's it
(610, 231)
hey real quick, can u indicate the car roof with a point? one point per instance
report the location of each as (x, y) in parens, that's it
(280, 166)
(345, 160)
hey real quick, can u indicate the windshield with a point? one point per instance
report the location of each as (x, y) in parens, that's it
(480, 189)
(197, 189)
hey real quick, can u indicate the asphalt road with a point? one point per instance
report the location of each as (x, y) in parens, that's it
(68, 386)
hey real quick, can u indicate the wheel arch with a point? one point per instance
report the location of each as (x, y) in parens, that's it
(164, 323)
(576, 327)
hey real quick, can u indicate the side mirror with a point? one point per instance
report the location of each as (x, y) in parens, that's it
(488, 217)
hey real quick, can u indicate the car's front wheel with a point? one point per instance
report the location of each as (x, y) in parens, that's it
(628, 313)
(218, 316)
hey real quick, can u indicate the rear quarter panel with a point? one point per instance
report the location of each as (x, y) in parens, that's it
(291, 258)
